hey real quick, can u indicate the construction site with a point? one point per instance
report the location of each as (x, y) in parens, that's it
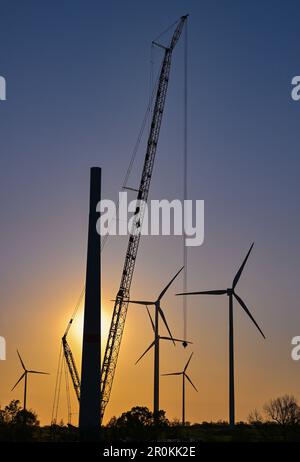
(161, 318)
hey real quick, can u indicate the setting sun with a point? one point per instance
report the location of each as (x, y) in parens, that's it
(77, 327)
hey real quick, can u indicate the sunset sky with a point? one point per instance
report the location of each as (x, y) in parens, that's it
(77, 88)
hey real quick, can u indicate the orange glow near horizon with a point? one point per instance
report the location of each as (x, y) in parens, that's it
(256, 360)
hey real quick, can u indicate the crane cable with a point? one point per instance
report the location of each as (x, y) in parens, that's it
(57, 387)
(133, 156)
(147, 114)
(68, 392)
(185, 160)
(152, 93)
(166, 30)
(80, 298)
(62, 367)
(104, 240)
(185, 184)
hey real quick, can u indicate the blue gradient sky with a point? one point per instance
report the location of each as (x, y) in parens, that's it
(77, 87)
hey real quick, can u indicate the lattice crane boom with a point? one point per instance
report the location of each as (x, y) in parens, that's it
(69, 358)
(72, 367)
(121, 302)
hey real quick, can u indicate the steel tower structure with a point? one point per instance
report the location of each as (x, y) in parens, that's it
(121, 302)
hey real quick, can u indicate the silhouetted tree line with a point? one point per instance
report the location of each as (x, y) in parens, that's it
(279, 420)
(17, 424)
(138, 423)
(283, 411)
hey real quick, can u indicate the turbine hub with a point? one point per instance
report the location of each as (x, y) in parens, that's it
(184, 344)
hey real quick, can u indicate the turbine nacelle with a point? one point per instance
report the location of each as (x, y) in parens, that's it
(184, 372)
(157, 340)
(158, 308)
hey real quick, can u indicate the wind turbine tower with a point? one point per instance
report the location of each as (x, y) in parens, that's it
(90, 398)
(231, 293)
(184, 376)
(24, 376)
(155, 326)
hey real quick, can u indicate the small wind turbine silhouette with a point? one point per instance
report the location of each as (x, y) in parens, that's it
(184, 376)
(160, 337)
(230, 292)
(24, 375)
(157, 337)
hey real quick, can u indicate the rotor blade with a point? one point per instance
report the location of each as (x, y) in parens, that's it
(18, 381)
(238, 274)
(206, 292)
(175, 339)
(146, 351)
(190, 382)
(23, 365)
(37, 372)
(168, 285)
(243, 305)
(186, 366)
(174, 373)
(151, 320)
(141, 302)
(165, 322)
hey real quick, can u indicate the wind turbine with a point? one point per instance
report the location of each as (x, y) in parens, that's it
(184, 376)
(24, 375)
(155, 326)
(230, 292)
